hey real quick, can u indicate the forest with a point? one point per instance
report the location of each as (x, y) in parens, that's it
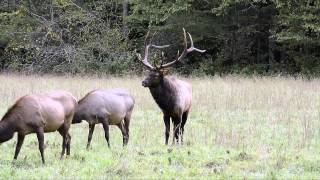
(250, 37)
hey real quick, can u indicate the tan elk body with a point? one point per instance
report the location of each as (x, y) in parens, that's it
(39, 113)
(108, 107)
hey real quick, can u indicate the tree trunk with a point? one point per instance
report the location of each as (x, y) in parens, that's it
(51, 11)
(258, 60)
(125, 6)
(271, 46)
(12, 5)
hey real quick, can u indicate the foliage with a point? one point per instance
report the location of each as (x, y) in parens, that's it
(79, 36)
(65, 39)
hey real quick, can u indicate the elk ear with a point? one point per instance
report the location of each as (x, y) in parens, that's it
(164, 71)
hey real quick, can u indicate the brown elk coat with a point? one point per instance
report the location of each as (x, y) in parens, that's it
(39, 113)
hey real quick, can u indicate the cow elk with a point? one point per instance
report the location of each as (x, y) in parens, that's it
(172, 95)
(39, 113)
(108, 107)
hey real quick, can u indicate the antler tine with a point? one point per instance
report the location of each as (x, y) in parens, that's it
(160, 47)
(185, 51)
(156, 46)
(192, 48)
(147, 45)
(146, 38)
(191, 41)
(162, 58)
(145, 59)
(146, 53)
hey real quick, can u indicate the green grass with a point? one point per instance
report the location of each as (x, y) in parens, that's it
(239, 128)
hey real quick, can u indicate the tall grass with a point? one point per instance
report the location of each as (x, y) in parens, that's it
(260, 127)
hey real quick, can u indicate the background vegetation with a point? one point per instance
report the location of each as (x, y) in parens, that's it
(245, 128)
(101, 37)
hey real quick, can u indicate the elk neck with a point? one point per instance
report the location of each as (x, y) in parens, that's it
(6, 130)
(165, 94)
(78, 116)
(9, 123)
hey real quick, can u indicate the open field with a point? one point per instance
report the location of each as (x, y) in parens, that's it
(239, 128)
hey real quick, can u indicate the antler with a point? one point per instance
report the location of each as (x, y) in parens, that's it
(185, 51)
(146, 52)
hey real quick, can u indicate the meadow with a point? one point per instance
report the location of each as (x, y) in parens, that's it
(239, 128)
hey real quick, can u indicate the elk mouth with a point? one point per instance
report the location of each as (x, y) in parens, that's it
(144, 84)
(76, 122)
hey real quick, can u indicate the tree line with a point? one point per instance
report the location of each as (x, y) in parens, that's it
(102, 37)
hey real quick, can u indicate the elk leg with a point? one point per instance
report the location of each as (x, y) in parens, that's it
(18, 146)
(166, 120)
(91, 129)
(68, 136)
(124, 134)
(176, 129)
(68, 144)
(175, 132)
(40, 136)
(184, 120)
(126, 124)
(64, 135)
(105, 125)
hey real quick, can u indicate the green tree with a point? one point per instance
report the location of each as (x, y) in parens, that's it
(298, 31)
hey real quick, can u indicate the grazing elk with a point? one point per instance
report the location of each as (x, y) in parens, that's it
(106, 106)
(39, 113)
(172, 95)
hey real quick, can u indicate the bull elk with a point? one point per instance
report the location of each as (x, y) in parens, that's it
(172, 95)
(108, 107)
(39, 113)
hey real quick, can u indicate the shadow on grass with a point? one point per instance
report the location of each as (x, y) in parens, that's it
(20, 164)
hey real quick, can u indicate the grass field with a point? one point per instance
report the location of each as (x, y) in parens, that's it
(239, 128)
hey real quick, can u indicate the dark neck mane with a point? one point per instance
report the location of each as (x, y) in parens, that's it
(78, 116)
(165, 94)
(80, 111)
(7, 128)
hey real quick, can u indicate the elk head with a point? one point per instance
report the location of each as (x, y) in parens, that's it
(156, 73)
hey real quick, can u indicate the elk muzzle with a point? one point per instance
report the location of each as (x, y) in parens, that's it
(144, 83)
(76, 119)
